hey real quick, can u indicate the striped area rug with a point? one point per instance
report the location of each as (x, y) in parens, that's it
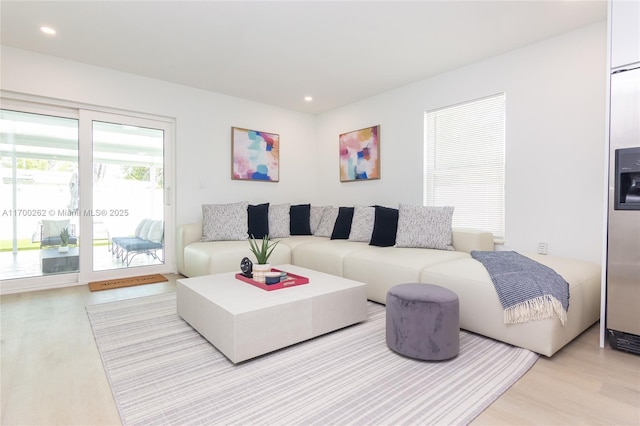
(161, 371)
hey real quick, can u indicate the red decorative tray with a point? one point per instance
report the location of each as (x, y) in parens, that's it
(291, 281)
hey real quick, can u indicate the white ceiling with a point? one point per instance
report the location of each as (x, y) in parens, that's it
(278, 52)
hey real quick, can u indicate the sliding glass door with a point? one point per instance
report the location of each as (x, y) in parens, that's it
(85, 196)
(128, 195)
(39, 163)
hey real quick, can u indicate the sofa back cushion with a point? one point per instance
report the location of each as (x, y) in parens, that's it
(144, 231)
(156, 231)
(139, 227)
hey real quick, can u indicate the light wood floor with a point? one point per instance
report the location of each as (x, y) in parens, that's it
(51, 371)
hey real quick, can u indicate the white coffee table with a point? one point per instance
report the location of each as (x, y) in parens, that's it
(244, 321)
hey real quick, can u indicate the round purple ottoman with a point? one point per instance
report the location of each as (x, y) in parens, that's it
(423, 321)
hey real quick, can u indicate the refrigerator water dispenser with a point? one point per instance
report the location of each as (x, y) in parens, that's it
(627, 182)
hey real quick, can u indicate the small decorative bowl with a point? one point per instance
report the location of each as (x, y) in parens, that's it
(272, 277)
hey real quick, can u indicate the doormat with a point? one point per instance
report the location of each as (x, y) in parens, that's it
(126, 282)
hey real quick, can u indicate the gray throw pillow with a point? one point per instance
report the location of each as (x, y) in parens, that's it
(362, 223)
(225, 222)
(144, 231)
(328, 221)
(316, 216)
(279, 221)
(425, 227)
(139, 227)
(156, 232)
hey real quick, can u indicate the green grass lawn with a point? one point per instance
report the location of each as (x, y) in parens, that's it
(23, 244)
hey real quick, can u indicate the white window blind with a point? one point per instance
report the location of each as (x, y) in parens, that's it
(464, 162)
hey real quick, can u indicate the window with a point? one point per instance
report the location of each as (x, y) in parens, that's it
(464, 162)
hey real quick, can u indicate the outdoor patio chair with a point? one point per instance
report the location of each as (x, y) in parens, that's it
(147, 238)
(50, 232)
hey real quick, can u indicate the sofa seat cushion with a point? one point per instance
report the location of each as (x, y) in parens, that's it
(383, 267)
(214, 257)
(295, 240)
(135, 244)
(482, 313)
(325, 255)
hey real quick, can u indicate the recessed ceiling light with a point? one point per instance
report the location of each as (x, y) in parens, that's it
(308, 98)
(47, 30)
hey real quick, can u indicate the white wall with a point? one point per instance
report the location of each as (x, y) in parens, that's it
(555, 136)
(203, 126)
(555, 140)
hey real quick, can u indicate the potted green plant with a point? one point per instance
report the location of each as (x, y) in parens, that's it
(262, 251)
(64, 240)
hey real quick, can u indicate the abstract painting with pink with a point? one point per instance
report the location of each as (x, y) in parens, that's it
(360, 154)
(255, 155)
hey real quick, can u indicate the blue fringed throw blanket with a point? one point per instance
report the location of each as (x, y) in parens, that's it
(528, 290)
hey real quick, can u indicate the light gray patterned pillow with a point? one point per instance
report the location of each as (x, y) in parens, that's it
(139, 227)
(328, 221)
(362, 224)
(225, 222)
(316, 216)
(156, 232)
(144, 231)
(425, 227)
(279, 221)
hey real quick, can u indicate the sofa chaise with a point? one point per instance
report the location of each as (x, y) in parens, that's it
(365, 253)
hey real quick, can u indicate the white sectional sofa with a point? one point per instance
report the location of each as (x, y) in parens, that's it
(383, 267)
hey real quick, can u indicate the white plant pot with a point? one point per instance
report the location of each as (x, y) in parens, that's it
(259, 270)
(63, 249)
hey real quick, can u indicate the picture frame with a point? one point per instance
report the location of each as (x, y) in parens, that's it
(360, 154)
(255, 155)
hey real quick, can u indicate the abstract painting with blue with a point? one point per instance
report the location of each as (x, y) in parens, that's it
(360, 154)
(255, 155)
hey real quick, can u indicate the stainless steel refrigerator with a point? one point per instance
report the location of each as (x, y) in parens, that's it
(623, 238)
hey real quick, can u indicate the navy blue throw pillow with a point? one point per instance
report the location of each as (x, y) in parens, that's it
(385, 227)
(258, 220)
(342, 227)
(300, 219)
